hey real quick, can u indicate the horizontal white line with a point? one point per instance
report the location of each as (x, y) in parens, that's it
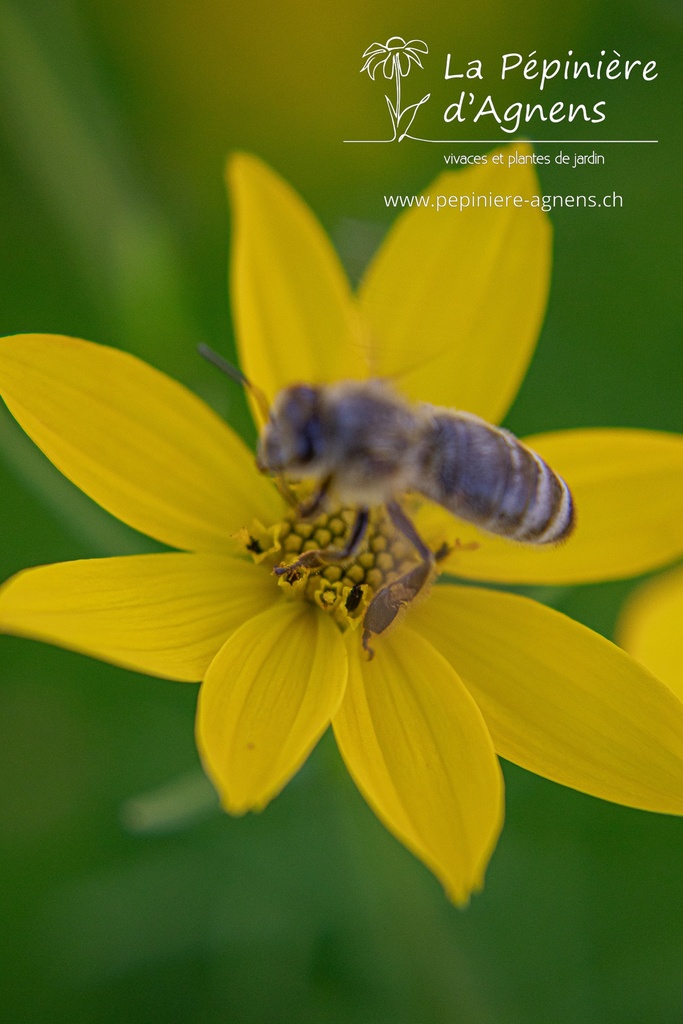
(536, 142)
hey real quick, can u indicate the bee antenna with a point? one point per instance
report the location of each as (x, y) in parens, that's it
(235, 374)
(223, 364)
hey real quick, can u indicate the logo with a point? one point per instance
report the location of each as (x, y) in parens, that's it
(472, 99)
(396, 57)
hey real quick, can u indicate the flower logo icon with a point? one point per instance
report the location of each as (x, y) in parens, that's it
(395, 58)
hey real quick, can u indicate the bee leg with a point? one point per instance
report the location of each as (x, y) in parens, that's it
(308, 508)
(405, 526)
(442, 552)
(387, 602)
(285, 491)
(317, 558)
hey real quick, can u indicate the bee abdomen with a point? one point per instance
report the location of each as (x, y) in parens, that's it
(485, 475)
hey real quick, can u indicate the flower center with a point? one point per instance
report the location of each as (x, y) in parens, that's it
(345, 588)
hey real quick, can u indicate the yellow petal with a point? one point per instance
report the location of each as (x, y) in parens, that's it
(139, 443)
(165, 614)
(268, 696)
(628, 492)
(651, 628)
(559, 699)
(292, 306)
(455, 300)
(419, 751)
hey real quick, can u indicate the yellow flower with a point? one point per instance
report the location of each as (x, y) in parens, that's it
(651, 627)
(450, 310)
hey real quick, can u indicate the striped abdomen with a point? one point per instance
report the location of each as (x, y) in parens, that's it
(485, 475)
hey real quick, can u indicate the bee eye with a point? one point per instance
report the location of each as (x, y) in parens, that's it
(300, 412)
(309, 441)
(300, 402)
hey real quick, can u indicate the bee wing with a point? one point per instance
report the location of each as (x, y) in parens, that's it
(455, 297)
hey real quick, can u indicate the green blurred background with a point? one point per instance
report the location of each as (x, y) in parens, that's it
(126, 895)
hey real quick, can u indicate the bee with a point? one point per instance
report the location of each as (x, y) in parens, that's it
(364, 445)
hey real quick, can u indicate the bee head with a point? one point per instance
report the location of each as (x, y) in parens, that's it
(290, 440)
